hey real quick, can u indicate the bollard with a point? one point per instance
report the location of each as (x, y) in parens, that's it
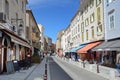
(83, 64)
(45, 77)
(46, 72)
(46, 59)
(98, 68)
(45, 66)
(46, 69)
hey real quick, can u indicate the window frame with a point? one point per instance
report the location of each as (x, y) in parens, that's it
(87, 35)
(99, 15)
(91, 3)
(111, 22)
(92, 17)
(93, 31)
(109, 2)
(98, 2)
(86, 21)
(82, 27)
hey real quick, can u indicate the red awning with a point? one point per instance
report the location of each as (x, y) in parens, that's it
(88, 47)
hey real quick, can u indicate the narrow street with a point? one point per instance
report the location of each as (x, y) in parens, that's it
(59, 40)
(57, 69)
(76, 73)
(56, 72)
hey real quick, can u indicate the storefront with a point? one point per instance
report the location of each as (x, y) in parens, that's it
(107, 52)
(11, 47)
(73, 52)
(4, 51)
(86, 53)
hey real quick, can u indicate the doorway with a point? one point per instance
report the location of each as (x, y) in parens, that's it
(5, 56)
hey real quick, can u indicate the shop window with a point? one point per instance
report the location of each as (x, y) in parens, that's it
(109, 59)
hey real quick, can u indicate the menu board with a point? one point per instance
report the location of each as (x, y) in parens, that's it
(10, 67)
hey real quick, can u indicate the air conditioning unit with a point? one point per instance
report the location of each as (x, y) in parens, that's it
(2, 17)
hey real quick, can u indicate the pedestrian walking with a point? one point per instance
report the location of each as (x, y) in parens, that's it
(118, 62)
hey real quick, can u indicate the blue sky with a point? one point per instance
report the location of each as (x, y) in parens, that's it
(54, 15)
